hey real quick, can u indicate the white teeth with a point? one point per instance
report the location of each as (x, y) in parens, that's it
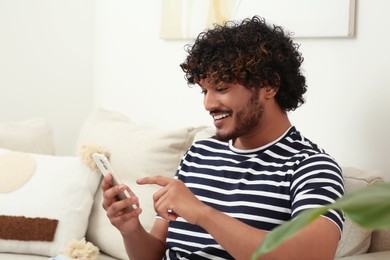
(217, 117)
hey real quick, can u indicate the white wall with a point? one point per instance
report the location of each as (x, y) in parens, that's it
(46, 64)
(347, 111)
(138, 73)
(348, 107)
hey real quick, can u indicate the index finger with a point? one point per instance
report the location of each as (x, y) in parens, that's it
(159, 180)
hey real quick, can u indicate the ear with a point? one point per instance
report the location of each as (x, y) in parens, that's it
(270, 92)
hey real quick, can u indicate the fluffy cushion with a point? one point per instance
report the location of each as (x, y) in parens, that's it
(50, 204)
(32, 136)
(356, 240)
(136, 151)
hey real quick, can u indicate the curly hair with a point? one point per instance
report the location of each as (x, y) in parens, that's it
(250, 53)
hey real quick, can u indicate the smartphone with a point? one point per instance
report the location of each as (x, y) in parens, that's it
(105, 168)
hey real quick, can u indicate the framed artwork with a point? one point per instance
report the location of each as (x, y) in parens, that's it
(184, 19)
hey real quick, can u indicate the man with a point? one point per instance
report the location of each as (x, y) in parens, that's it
(255, 174)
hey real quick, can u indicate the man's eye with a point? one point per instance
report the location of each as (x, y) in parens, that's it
(221, 89)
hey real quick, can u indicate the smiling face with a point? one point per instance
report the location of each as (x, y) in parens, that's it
(236, 110)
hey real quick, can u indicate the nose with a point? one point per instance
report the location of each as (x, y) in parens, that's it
(210, 101)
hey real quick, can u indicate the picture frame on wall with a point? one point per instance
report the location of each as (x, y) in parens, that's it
(184, 19)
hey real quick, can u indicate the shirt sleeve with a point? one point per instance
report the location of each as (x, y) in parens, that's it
(317, 181)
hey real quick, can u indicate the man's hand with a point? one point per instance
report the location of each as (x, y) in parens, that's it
(174, 199)
(125, 221)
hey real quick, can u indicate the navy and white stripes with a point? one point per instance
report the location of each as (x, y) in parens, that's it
(262, 187)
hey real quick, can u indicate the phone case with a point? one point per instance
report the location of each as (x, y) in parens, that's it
(105, 168)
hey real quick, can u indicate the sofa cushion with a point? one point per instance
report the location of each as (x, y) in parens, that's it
(356, 240)
(204, 133)
(7, 256)
(380, 241)
(10, 256)
(32, 136)
(136, 151)
(48, 206)
(369, 256)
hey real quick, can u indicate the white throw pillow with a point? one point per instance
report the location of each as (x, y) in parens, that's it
(47, 203)
(32, 136)
(136, 151)
(356, 240)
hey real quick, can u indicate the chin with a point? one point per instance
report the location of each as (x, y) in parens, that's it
(223, 135)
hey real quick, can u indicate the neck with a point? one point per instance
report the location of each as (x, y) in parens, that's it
(269, 129)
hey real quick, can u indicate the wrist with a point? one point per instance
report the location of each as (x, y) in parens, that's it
(204, 214)
(132, 232)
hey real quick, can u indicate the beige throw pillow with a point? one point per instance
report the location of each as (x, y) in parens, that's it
(380, 241)
(356, 240)
(31, 136)
(136, 151)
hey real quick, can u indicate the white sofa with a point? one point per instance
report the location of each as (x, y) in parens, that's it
(136, 151)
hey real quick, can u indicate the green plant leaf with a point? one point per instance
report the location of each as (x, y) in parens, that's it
(285, 231)
(369, 207)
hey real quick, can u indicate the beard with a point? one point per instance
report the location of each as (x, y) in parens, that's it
(246, 120)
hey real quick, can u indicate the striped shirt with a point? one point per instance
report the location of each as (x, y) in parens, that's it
(263, 187)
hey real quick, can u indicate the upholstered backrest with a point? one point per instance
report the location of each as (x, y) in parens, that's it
(356, 240)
